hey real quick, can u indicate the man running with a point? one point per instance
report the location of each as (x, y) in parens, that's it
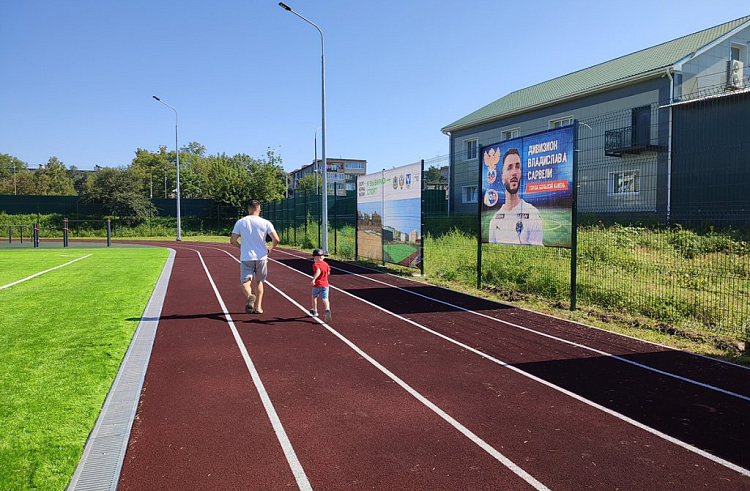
(252, 231)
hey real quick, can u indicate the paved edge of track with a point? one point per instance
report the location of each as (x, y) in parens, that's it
(104, 452)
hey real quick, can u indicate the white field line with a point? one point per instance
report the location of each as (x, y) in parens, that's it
(42, 272)
(617, 415)
(286, 445)
(549, 336)
(445, 416)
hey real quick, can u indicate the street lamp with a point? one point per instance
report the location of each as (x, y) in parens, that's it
(324, 214)
(315, 162)
(177, 154)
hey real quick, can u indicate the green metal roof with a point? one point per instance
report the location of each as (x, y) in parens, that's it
(599, 76)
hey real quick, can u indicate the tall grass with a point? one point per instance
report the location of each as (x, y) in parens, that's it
(672, 276)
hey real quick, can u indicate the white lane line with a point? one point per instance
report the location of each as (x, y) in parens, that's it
(575, 396)
(286, 445)
(549, 336)
(42, 272)
(445, 416)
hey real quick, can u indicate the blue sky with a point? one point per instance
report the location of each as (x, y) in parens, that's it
(78, 76)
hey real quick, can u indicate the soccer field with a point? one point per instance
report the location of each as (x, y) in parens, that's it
(65, 334)
(398, 252)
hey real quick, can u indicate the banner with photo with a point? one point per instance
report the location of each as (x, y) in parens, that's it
(527, 189)
(389, 215)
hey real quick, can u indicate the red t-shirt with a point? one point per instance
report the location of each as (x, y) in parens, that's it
(325, 270)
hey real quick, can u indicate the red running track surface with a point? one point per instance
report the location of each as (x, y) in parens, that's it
(574, 408)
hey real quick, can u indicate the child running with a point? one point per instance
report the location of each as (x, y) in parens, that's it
(321, 270)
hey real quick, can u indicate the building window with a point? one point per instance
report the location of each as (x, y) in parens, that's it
(510, 134)
(623, 183)
(335, 176)
(559, 123)
(469, 194)
(738, 52)
(471, 147)
(641, 122)
(355, 165)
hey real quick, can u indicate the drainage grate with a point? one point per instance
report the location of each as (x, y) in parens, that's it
(101, 462)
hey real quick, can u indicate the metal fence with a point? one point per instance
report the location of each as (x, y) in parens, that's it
(663, 230)
(664, 222)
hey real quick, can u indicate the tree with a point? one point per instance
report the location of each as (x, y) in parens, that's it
(53, 180)
(11, 170)
(120, 192)
(194, 148)
(308, 182)
(233, 180)
(154, 168)
(159, 172)
(78, 177)
(433, 176)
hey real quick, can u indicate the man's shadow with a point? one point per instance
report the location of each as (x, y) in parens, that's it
(237, 318)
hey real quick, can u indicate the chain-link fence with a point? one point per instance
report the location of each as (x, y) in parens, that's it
(297, 220)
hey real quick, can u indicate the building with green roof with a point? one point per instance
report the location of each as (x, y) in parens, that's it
(627, 113)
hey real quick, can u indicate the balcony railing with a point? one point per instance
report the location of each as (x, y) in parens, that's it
(628, 140)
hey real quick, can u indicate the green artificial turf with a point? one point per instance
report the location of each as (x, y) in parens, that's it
(62, 339)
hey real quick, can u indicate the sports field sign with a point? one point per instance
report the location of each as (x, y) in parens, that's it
(527, 189)
(389, 215)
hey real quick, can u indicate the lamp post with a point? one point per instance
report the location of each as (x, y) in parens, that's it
(315, 162)
(177, 155)
(324, 204)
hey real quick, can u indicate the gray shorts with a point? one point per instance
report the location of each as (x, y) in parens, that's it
(254, 270)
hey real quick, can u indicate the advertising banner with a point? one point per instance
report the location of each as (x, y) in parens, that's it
(527, 189)
(370, 216)
(389, 215)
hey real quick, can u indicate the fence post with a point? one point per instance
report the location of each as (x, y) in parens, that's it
(479, 218)
(109, 232)
(10, 234)
(22, 226)
(382, 216)
(421, 220)
(36, 235)
(356, 222)
(65, 232)
(574, 223)
(294, 215)
(335, 213)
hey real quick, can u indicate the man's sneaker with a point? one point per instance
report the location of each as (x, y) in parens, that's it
(328, 316)
(313, 313)
(250, 305)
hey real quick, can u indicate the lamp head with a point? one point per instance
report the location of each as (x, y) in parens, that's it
(285, 6)
(156, 98)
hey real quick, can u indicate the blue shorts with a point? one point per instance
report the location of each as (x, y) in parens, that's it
(320, 291)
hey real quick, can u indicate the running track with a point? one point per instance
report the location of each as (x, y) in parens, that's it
(413, 387)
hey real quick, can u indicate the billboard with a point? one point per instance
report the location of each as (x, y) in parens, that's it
(527, 189)
(389, 215)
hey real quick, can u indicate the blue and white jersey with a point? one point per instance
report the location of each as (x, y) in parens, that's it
(520, 225)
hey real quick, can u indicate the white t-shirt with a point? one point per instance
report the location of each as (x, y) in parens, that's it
(253, 230)
(520, 225)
